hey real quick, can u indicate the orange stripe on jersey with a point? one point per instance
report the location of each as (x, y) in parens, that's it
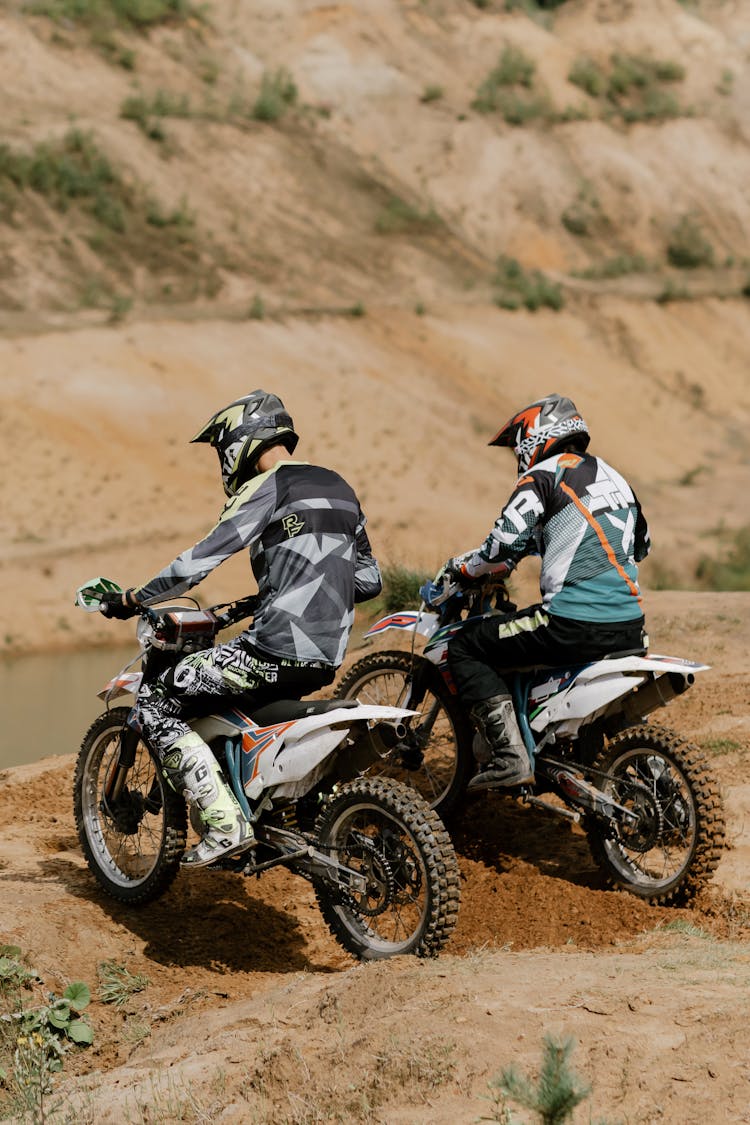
(569, 460)
(602, 539)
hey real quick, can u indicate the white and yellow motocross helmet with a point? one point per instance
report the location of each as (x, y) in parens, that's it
(243, 430)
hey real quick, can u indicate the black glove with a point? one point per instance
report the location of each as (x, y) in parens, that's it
(122, 606)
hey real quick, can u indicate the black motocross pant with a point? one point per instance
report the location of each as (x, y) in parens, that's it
(232, 673)
(532, 637)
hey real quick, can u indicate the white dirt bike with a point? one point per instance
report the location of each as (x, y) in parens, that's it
(380, 860)
(648, 801)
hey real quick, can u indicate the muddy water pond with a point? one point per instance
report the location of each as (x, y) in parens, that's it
(47, 702)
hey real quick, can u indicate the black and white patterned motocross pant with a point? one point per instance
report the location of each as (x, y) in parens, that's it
(235, 670)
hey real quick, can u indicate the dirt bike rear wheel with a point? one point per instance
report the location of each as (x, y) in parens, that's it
(133, 849)
(387, 833)
(675, 848)
(441, 735)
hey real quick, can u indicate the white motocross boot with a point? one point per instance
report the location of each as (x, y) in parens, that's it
(509, 764)
(192, 770)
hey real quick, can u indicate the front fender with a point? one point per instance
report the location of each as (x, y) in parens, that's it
(406, 621)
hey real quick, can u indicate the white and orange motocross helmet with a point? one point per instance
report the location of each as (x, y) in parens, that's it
(540, 430)
(243, 430)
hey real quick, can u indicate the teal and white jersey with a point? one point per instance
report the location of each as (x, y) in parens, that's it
(585, 521)
(310, 556)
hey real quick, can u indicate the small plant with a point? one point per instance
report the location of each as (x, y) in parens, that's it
(117, 984)
(513, 69)
(618, 266)
(136, 15)
(719, 746)
(516, 287)
(671, 292)
(147, 112)
(687, 247)
(732, 570)
(278, 93)
(631, 86)
(257, 310)
(432, 93)
(556, 1093)
(584, 216)
(589, 77)
(180, 219)
(401, 586)
(34, 1038)
(400, 217)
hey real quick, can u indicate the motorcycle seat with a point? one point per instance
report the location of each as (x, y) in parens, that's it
(286, 710)
(625, 652)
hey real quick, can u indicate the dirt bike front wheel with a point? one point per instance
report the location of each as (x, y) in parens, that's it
(671, 851)
(132, 844)
(391, 837)
(436, 756)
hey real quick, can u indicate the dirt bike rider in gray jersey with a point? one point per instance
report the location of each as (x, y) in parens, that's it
(583, 518)
(311, 558)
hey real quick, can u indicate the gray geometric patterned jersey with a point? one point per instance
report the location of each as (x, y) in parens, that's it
(310, 556)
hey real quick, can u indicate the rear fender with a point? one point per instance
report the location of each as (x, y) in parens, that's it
(652, 680)
(285, 755)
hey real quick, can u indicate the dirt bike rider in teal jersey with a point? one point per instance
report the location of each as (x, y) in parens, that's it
(311, 558)
(584, 520)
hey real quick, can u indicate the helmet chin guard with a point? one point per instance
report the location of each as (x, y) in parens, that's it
(243, 430)
(542, 429)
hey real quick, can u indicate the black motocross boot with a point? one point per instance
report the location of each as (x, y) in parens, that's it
(509, 764)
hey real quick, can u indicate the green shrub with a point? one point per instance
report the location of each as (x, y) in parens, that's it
(144, 110)
(519, 109)
(401, 587)
(516, 287)
(432, 93)
(584, 216)
(732, 570)
(687, 246)
(554, 1096)
(257, 310)
(400, 217)
(278, 93)
(589, 76)
(35, 1035)
(137, 15)
(618, 266)
(514, 68)
(73, 169)
(631, 86)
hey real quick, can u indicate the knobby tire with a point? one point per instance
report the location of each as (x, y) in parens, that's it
(388, 803)
(113, 856)
(442, 792)
(703, 804)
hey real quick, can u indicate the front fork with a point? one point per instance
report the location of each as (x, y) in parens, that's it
(115, 781)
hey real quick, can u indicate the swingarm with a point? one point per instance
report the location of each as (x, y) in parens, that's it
(574, 787)
(305, 858)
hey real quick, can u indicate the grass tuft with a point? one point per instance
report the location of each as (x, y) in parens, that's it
(517, 288)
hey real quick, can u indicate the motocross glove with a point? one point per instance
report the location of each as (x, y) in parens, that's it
(455, 570)
(120, 605)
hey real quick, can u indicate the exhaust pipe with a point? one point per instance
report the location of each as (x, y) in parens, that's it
(657, 693)
(391, 733)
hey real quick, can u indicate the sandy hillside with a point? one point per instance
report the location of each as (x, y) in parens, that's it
(164, 249)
